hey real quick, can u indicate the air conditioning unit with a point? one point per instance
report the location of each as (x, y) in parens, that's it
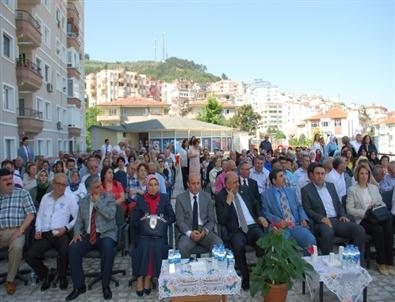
(49, 87)
(59, 125)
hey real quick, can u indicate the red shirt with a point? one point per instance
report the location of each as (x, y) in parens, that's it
(117, 189)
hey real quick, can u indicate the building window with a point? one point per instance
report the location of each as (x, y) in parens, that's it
(47, 111)
(8, 98)
(41, 147)
(40, 105)
(70, 88)
(47, 36)
(49, 148)
(9, 4)
(314, 124)
(7, 46)
(338, 123)
(113, 111)
(39, 65)
(324, 124)
(47, 73)
(10, 147)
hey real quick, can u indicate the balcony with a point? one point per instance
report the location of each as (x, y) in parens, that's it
(30, 122)
(28, 75)
(28, 4)
(72, 40)
(74, 101)
(28, 30)
(74, 131)
(73, 72)
(72, 14)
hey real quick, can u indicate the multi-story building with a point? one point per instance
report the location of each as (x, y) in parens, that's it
(111, 84)
(228, 109)
(384, 130)
(41, 76)
(131, 109)
(227, 90)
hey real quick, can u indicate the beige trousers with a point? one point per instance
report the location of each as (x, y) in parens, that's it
(15, 251)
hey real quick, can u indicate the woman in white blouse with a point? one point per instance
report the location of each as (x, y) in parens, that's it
(360, 198)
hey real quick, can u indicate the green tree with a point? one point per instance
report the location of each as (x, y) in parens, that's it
(212, 112)
(245, 119)
(224, 76)
(276, 134)
(90, 120)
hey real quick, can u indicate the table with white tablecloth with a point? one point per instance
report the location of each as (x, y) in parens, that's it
(210, 280)
(347, 283)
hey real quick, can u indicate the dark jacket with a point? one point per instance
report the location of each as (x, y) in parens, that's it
(314, 206)
(227, 215)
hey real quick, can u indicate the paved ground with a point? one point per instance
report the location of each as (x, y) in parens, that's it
(381, 289)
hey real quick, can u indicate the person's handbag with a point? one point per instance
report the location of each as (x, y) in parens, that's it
(153, 226)
(378, 214)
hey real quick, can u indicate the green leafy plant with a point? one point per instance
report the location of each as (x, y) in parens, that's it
(281, 262)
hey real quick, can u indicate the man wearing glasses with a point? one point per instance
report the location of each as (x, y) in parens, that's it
(52, 227)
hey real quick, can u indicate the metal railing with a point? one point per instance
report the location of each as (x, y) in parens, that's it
(23, 62)
(28, 112)
(22, 15)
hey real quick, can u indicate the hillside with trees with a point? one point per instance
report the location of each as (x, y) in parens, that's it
(169, 70)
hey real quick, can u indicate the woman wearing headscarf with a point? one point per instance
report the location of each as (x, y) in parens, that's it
(151, 247)
(75, 187)
(42, 187)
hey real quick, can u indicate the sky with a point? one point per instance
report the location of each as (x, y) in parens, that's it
(338, 49)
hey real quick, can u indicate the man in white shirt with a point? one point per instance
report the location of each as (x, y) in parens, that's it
(106, 149)
(52, 227)
(259, 173)
(357, 143)
(336, 176)
(302, 176)
(195, 218)
(321, 203)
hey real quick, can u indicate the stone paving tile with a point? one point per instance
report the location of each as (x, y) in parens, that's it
(381, 289)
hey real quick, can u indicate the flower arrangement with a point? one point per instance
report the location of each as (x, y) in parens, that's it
(281, 263)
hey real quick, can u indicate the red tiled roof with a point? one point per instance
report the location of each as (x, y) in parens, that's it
(333, 113)
(135, 102)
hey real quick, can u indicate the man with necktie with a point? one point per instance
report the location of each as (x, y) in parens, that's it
(281, 206)
(246, 182)
(25, 151)
(195, 218)
(95, 228)
(242, 223)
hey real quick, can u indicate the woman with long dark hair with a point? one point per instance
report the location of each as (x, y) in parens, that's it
(368, 146)
(112, 186)
(184, 162)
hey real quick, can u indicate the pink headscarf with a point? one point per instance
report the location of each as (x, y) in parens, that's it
(151, 177)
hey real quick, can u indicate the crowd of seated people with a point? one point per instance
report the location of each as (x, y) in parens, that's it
(69, 204)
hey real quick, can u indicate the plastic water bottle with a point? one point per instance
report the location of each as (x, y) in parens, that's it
(177, 259)
(170, 258)
(222, 257)
(230, 260)
(346, 257)
(33, 278)
(214, 254)
(356, 257)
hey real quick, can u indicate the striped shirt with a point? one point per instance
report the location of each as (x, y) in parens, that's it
(15, 207)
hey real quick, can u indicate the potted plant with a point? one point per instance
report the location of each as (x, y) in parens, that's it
(279, 267)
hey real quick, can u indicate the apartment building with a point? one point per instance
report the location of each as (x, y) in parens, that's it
(41, 76)
(384, 129)
(111, 84)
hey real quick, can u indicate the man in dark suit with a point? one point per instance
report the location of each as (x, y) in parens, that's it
(281, 206)
(247, 183)
(95, 228)
(195, 218)
(322, 205)
(239, 214)
(25, 151)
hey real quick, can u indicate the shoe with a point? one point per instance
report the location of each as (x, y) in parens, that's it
(63, 284)
(390, 270)
(75, 293)
(47, 282)
(383, 270)
(10, 287)
(147, 291)
(107, 294)
(245, 284)
(140, 293)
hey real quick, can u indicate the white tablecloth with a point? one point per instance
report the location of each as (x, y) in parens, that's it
(187, 283)
(347, 284)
